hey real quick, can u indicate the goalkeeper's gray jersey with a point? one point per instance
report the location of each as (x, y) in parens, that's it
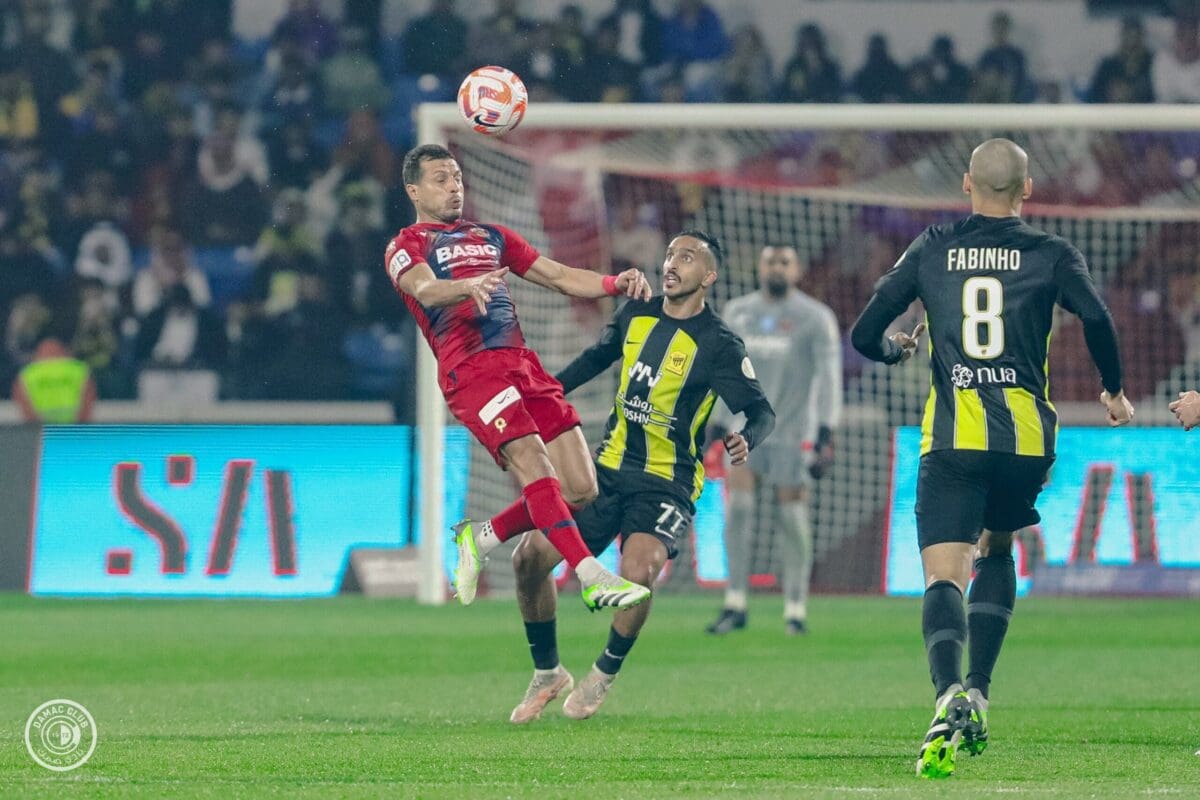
(796, 350)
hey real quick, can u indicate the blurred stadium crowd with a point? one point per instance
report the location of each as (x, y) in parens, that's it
(175, 197)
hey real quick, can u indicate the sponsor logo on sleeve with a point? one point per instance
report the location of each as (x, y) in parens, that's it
(398, 263)
(748, 368)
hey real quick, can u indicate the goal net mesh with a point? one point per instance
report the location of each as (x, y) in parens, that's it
(849, 201)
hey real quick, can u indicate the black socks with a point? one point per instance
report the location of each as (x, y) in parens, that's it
(543, 643)
(613, 657)
(989, 608)
(944, 624)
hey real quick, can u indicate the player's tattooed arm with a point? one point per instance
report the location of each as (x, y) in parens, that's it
(432, 292)
(585, 283)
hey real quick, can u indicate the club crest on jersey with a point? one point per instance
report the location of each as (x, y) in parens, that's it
(676, 362)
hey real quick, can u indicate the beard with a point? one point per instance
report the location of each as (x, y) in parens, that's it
(777, 286)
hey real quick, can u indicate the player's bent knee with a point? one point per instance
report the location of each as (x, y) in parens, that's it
(643, 559)
(577, 496)
(643, 571)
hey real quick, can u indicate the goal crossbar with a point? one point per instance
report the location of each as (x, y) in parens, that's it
(435, 119)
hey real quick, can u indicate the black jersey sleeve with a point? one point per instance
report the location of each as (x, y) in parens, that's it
(734, 382)
(1077, 294)
(894, 292)
(598, 357)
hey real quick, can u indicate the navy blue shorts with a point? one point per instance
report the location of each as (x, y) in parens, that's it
(962, 492)
(627, 505)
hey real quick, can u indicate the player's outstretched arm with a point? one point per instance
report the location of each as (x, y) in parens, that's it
(585, 283)
(433, 292)
(598, 357)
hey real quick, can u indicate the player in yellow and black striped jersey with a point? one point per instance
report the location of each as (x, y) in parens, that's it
(677, 357)
(989, 284)
(672, 371)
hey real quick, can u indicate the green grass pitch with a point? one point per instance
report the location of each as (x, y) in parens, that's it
(358, 698)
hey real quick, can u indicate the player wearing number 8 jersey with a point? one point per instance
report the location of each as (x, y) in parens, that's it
(989, 284)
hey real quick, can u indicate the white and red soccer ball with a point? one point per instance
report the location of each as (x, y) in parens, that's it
(492, 100)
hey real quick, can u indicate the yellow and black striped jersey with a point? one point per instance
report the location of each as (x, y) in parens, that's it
(672, 372)
(989, 286)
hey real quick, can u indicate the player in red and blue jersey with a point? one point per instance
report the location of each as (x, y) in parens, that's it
(450, 273)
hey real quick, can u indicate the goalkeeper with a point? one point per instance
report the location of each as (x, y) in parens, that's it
(794, 342)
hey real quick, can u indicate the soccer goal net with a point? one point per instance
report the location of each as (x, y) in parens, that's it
(604, 187)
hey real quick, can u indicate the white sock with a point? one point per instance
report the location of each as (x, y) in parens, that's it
(546, 673)
(793, 610)
(589, 571)
(604, 676)
(735, 600)
(485, 539)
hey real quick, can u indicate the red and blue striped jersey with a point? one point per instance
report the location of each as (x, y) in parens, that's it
(454, 251)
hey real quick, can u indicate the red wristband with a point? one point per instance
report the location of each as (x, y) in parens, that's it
(610, 285)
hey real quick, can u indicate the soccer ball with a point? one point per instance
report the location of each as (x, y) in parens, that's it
(492, 100)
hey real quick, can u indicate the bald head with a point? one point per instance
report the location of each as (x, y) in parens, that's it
(999, 167)
(998, 178)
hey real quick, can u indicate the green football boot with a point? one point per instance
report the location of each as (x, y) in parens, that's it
(470, 564)
(938, 752)
(613, 591)
(975, 732)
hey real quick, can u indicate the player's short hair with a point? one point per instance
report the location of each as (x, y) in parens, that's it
(999, 167)
(714, 244)
(418, 155)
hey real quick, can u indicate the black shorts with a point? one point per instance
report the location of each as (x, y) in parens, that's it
(627, 505)
(961, 492)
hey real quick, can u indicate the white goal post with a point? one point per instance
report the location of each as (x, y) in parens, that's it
(438, 123)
